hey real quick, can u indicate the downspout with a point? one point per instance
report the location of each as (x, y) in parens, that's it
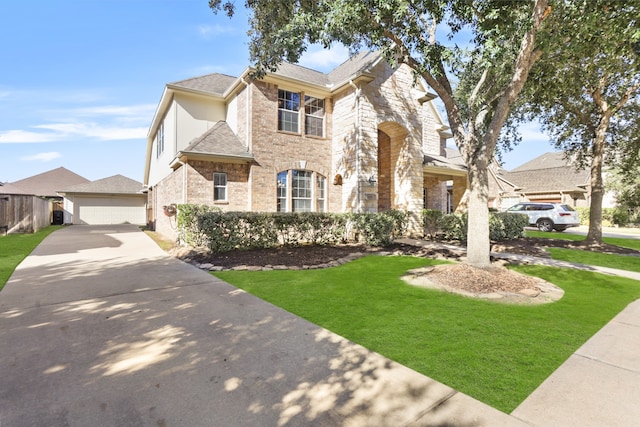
(249, 141)
(358, 139)
(184, 180)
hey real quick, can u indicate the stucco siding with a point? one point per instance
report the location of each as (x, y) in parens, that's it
(196, 115)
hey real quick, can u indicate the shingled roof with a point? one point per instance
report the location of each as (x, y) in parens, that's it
(544, 161)
(116, 184)
(548, 172)
(6, 188)
(213, 84)
(220, 140)
(48, 183)
(361, 62)
(218, 84)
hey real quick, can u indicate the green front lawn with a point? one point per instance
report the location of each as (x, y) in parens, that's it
(496, 353)
(618, 241)
(621, 262)
(15, 247)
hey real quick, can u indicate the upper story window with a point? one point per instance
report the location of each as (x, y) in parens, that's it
(313, 116)
(160, 140)
(288, 110)
(219, 187)
(297, 193)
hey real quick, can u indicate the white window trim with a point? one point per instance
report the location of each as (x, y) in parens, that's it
(225, 186)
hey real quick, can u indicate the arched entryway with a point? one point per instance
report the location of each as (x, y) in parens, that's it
(391, 142)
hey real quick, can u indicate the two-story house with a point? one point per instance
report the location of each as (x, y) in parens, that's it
(365, 137)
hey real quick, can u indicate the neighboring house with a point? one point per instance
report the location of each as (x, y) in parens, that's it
(43, 186)
(547, 178)
(113, 200)
(365, 137)
(48, 183)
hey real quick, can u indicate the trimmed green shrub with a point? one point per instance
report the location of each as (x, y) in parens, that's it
(431, 219)
(380, 229)
(187, 219)
(620, 216)
(225, 231)
(454, 227)
(583, 214)
(507, 225)
(502, 226)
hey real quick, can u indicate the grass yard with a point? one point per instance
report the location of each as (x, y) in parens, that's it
(496, 353)
(15, 247)
(618, 241)
(621, 262)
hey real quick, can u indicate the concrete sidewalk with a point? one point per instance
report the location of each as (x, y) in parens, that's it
(599, 385)
(99, 327)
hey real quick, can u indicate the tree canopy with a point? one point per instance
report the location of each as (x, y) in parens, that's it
(586, 90)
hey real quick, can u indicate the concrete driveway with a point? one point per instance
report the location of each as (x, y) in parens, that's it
(99, 327)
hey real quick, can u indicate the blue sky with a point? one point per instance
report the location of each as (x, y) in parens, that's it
(80, 79)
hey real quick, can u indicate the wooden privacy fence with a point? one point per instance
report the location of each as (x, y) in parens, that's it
(23, 214)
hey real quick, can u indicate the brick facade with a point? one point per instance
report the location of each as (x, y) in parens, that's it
(376, 133)
(275, 151)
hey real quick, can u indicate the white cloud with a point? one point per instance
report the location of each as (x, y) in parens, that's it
(208, 31)
(43, 157)
(95, 130)
(18, 136)
(97, 122)
(141, 110)
(318, 58)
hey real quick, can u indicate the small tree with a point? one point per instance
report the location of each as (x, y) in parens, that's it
(581, 89)
(477, 84)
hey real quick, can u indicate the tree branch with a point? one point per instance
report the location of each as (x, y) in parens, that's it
(526, 57)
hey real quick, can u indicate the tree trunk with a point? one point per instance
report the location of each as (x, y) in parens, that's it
(594, 236)
(478, 243)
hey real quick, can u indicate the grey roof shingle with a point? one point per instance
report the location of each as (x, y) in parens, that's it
(215, 84)
(443, 162)
(218, 84)
(7, 188)
(48, 183)
(555, 179)
(360, 62)
(548, 172)
(219, 140)
(544, 161)
(116, 184)
(301, 73)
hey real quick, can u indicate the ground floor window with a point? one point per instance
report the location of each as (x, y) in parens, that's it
(296, 192)
(219, 187)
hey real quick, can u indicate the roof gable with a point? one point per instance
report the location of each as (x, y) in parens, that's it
(304, 74)
(359, 63)
(544, 161)
(219, 140)
(48, 183)
(213, 84)
(116, 184)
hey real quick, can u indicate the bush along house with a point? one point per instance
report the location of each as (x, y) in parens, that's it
(365, 137)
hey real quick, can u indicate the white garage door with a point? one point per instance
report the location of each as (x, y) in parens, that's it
(109, 210)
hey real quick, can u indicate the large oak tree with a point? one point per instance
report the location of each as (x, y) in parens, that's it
(475, 54)
(586, 90)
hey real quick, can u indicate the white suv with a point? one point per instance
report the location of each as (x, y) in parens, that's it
(548, 216)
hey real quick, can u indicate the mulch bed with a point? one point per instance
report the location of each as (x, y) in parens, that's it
(300, 256)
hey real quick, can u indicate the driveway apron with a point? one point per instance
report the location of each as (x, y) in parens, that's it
(99, 327)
